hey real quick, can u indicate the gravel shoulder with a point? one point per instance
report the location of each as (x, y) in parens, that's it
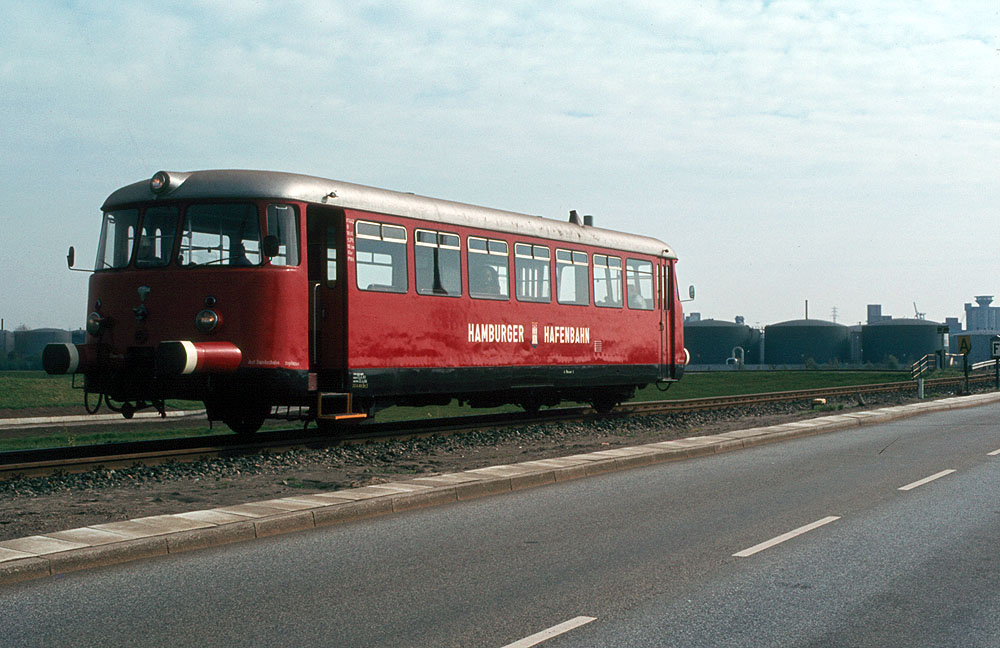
(32, 506)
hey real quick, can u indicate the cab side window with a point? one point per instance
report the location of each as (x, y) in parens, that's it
(283, 224)
(639, 284)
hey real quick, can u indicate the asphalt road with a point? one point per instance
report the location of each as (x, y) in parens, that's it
(679, 554)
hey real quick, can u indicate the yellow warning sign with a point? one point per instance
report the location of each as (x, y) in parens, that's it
(964, 344)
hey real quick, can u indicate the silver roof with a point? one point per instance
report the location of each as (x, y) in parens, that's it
(226, 184)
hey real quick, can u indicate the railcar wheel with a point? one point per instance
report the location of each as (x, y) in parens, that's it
(245, 422)
(244, 414)
(604, 403)
(531, 405)
(244, 419)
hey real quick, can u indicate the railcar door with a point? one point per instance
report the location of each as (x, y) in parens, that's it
(327, 311)
(665, 306)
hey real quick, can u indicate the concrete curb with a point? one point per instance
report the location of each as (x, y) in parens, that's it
(36, 421)
(117, 542)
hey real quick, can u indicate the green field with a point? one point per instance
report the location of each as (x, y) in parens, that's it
(731, 383)
(28, 389)
(32, 389)
(23, 389)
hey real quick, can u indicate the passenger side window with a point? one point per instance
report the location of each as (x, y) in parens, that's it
(488, 269)
(639, 284)
(438, 260)
(380, 257)
(531, 267)
(607, 281)
(572, 281)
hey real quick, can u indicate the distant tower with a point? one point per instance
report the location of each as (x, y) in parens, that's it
(875, 314)
(982, 317)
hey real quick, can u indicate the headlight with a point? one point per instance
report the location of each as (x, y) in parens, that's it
(159, 182)
(207, 320)
(95, 324)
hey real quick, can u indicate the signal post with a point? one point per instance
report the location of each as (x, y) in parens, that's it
(995, 354)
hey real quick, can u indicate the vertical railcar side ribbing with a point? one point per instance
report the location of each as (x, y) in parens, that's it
(251, 290)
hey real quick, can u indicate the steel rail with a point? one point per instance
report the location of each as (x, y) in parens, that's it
(713, 402)
(48, 461)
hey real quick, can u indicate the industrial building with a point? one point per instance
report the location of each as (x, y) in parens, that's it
(22, 349)
(982, 317)
(982, 324)
(717, 342)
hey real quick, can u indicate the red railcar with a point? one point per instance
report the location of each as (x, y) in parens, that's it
(254, 291)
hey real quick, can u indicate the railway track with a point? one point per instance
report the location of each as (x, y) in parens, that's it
(48, 461)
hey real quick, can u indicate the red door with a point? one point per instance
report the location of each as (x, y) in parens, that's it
(324, 227)
(665, 302)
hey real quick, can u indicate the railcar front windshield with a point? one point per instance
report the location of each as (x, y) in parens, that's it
(156, 237)
(208, 234)
(224, 234)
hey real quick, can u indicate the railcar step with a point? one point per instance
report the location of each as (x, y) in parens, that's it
(335, 406)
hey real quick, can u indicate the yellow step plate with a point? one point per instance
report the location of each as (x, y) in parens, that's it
(342, 417)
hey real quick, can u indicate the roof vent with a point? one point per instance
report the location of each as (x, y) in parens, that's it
(588, 220)
(574, 217)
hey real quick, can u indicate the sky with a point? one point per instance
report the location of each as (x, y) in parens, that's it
(839, 152)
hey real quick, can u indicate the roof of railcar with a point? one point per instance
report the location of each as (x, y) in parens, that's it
(215, 184)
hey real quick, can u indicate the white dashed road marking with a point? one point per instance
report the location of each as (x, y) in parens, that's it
(926, 480)
(786, 536)
(554, 631)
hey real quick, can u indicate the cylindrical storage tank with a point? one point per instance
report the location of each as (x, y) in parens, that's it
(907, 340)
(798, 342)
(753, 347)
(712, 341)
(30, 343)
